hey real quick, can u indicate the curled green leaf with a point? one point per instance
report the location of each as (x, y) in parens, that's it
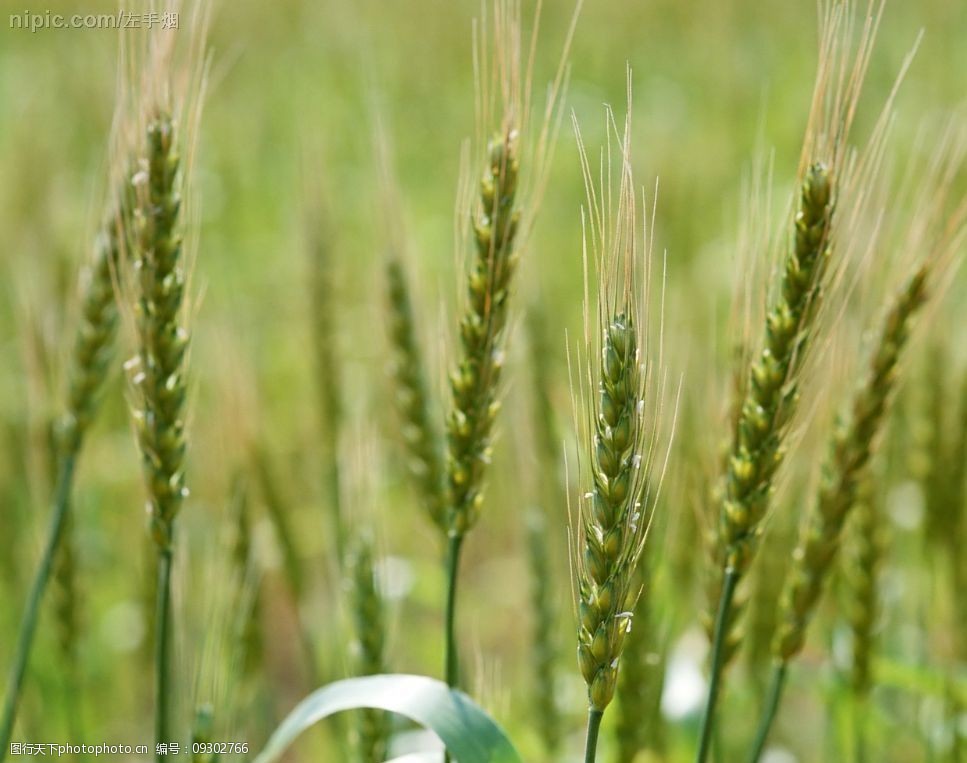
(470, 735)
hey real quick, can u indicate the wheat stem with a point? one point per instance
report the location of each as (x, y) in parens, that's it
(594, 727)
(776, 684)
(163, 652)
(453, 565)
(28, 625)
(729, 584)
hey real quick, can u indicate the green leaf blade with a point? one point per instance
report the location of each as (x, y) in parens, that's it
(470, 735)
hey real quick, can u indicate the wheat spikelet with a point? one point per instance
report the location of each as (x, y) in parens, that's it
(544, 650)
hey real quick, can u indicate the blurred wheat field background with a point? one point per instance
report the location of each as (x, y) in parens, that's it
(332, 140)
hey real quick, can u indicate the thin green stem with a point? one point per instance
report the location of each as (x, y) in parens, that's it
(453, 568)
(594, 726)
(718, 663)
(452, 666)
(162, 654)
(28, 625)
(776, 684)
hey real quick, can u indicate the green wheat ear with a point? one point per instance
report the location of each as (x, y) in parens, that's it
(852, 445)
(612, 515)
(769, 400)
(861, 577)
(771, 392)
(94, 344)
(158, 372)
(475, 381)
(423, 440)
(159, 378)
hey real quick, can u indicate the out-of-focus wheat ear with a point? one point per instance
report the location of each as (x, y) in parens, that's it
(94, 344)
(865, 547)
(545, 418)
(550, 493)
(248, 585)
(639, 729)
(853, 442)
(544, 639)
(419, 428)
(958, 535)
(369, 621)
(323, 297)
(852, 445)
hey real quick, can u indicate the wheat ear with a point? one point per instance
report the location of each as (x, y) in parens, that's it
(619, 432)
(553, 493)
(158, 370)
(90, 362)
(474, 383)
(544, 651)
(423, 440)
(853, 443)
(770, 400)
(328, 375)
(861, 577)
